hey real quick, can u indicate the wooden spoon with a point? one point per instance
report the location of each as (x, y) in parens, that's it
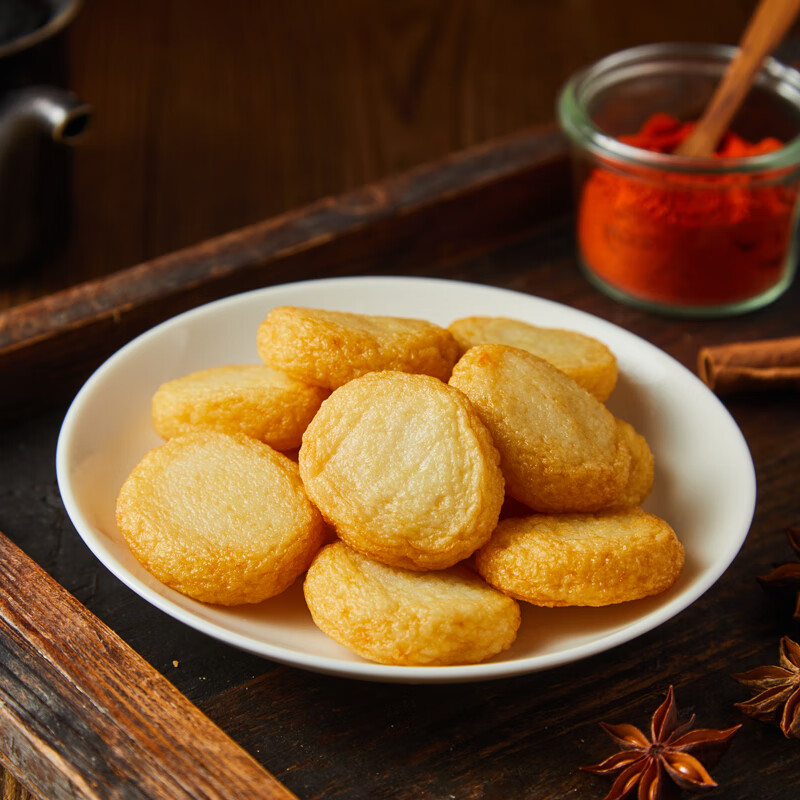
(767, 26)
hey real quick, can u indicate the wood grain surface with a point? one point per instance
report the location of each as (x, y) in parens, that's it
(82, 715)
(462, 204)
(211, 116)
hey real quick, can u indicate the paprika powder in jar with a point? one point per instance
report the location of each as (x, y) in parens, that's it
(700, 237)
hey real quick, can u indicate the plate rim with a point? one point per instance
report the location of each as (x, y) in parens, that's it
(367, 670)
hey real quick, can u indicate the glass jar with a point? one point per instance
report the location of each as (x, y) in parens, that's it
(688, 236)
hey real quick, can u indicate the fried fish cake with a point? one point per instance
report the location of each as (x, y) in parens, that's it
(582, 559)
(586, 360)
(642, 473)
(396, 616)
(329, 348)
(256, 400)
(561, 450)
(404, 470)
(221, 518)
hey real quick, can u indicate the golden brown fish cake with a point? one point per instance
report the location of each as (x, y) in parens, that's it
(221, 518)
(582, 559)
(396, 616)
(560, 448)
(586, 360)
(256, 400)
(642, 473)
(329, 348)
(404, 470)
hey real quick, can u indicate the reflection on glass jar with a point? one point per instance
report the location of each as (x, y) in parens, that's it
(700, 237)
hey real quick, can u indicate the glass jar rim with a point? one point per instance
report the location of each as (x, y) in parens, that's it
(580, 128)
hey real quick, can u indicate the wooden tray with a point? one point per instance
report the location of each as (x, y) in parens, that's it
(101, 695)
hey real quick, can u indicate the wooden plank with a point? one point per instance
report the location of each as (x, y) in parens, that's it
(463, 204)
(82, 715)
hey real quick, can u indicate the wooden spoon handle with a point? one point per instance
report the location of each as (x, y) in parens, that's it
(766, 28)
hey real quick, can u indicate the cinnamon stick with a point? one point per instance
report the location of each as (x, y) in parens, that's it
(748, 366)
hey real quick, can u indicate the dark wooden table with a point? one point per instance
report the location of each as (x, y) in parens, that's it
(498, 215)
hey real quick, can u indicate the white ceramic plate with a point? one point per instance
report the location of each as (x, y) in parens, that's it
(705, 482)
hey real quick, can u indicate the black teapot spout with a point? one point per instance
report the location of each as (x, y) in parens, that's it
(57, 114)
(37, 126)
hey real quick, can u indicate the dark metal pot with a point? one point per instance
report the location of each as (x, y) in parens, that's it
(37, 123)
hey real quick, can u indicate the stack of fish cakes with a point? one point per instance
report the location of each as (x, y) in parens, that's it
(411, 437)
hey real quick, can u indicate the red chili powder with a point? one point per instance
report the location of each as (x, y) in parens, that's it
(685, 239)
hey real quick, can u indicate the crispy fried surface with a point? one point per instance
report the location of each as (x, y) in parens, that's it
(642, 474)
(561, 449)
(585, 359)
(329, 348)
(404, 470)
(582, 559)
(395, 616)
(220, 518)
(256, 400)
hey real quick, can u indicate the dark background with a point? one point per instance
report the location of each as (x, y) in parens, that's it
(211, 115)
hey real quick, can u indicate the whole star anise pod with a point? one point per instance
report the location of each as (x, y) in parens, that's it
(785, 579)
(658, 767)
(778, 690)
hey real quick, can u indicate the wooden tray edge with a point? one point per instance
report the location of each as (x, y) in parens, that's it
(465, 203)
(83, 715)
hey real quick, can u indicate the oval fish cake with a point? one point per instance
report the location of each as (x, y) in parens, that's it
(404, 470)
(586, 360)
(330, 348)
(582, 559)
(256, 400)
(642, 473)
(221, 518)
(396, 616)
(560, 448)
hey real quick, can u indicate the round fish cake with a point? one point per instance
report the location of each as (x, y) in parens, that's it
(640, 479)
(561, 450)
(221, 518)
(585, 359)
(582, 559)
(329, 348)
(396, 616)
(256, 400)
(404, 470)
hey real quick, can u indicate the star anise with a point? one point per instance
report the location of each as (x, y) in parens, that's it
(778, 688)
(658, 767)
(785, 579)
